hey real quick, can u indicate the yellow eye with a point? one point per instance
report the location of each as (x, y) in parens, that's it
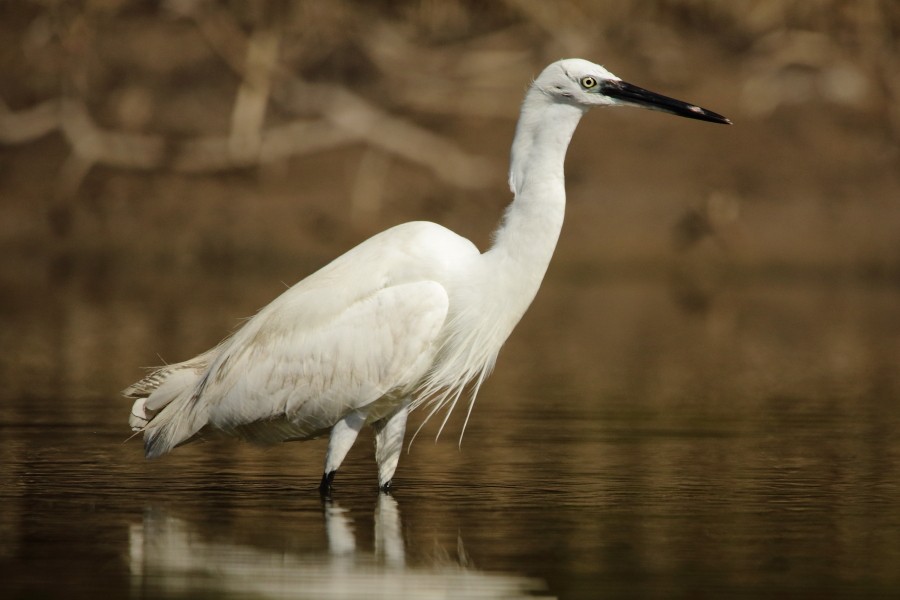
(588, 82)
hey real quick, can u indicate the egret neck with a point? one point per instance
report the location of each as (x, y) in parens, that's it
(525, 240)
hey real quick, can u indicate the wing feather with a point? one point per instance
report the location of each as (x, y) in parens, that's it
(304, 379)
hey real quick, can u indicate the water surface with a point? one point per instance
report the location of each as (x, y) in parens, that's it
(636, 440)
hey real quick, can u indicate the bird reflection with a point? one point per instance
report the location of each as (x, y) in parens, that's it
(169, 556)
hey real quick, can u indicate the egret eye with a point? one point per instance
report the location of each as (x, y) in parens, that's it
(588, 82)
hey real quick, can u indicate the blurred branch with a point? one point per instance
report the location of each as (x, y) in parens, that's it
(482, 79)
(215, 153)
(249, 112)
(27, 125)
(399, 137)
(114, 148)
(480, 74)
(357, 118)
(93, 144)
(344, 118)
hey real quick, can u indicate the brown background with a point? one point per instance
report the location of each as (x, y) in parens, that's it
(136, 128)
(167, 168)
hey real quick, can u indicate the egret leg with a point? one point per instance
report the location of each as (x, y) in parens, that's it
(388, 444)
(343, 434)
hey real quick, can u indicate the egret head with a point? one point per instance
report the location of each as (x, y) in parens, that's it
(585, 84)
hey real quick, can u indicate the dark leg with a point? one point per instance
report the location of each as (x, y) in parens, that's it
(325, 486)
(343, 434)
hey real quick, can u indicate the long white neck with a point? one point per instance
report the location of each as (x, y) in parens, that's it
(527, 236)
(510, 272)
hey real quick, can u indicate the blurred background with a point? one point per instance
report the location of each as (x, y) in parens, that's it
(722, 313)
(157, 144)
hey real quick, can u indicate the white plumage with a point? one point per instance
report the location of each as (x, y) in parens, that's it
(413, 315)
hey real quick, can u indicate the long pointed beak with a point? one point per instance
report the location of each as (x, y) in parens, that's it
(638, 96)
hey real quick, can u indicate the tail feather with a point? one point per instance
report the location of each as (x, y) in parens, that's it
(149, 384)
(166, 408)
(176, 424)
(139, 416)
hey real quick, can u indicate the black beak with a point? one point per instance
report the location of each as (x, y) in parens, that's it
(638, 96)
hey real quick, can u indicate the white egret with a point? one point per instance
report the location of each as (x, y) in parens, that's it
(414, 315)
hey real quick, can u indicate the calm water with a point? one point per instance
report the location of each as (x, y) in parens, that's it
(638, 439)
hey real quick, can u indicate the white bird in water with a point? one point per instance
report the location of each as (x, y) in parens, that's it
(414, 315)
